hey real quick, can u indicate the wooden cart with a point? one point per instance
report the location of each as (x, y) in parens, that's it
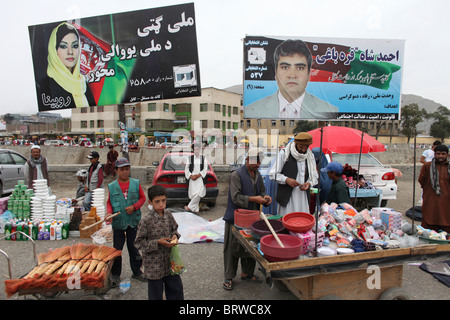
(363, 276)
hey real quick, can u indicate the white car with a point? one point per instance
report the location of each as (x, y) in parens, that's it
(53, 143)
(382, 177)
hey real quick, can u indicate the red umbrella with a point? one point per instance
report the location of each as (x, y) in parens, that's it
(345, 140)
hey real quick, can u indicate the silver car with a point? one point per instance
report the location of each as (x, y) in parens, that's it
(11, 170)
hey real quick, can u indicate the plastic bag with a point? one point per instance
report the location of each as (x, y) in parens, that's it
(103, 235)
(176, 264)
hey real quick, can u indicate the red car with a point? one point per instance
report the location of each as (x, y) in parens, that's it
(170, 174)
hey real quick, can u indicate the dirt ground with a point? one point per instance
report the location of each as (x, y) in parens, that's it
(204, 276)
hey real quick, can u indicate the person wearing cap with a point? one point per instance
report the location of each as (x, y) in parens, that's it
(36, 167)
(295, 172)
(246, 191)
(339, 192)
(94, 179)
(79, 197)
(127, 197)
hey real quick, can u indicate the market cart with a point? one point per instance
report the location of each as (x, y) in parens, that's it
(347, 276)
(93, 291)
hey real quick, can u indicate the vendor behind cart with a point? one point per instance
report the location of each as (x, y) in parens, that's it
(339, 192)
(246, 191)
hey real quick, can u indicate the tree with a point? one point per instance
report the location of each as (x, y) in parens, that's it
(441, 127)
(411, 116)
(304, 126)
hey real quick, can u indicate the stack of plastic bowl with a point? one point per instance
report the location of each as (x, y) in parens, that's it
(41, 192)
(244, 219)
(273, 252)
(49, 205)
(98, 202)
(40, 188)
(260, 229)
(37, 210)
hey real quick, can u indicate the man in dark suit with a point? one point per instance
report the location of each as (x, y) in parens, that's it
(293, 62)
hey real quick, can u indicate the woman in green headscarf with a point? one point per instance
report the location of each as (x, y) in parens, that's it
(64, 86)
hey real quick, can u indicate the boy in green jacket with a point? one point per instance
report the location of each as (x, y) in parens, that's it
(127, 197)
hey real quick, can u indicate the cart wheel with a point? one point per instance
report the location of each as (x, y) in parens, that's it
(46, 295)
(330, 297)
(91, 297)
(280, 285)
(395, 293)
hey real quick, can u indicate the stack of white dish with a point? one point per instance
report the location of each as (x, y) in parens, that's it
(49, 205)
(40, 188)
(37, 210)
(98, 202)
(41, 192)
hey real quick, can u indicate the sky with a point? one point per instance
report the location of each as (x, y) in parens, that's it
(221, 26)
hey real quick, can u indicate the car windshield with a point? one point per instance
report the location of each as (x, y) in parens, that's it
(353, 158)
(174, 163)
(268, 157)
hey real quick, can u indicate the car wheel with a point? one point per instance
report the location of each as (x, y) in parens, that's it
(212, 204)
(384, 203)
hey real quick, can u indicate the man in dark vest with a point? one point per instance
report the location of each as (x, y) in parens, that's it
(246, 191)
(295, 173)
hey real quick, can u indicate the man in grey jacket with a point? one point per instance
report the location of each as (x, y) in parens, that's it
(94, 179)
(293, 61)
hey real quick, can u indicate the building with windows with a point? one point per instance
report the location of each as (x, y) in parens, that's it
(214, 109)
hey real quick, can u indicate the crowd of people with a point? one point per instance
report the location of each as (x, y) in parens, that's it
(151, 236)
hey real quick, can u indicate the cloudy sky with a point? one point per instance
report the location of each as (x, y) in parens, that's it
(221, 26)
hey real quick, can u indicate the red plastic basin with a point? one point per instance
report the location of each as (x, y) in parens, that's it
(273, 252)
(299, 222)
(244, 219)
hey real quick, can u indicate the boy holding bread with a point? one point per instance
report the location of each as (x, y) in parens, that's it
(157, 234)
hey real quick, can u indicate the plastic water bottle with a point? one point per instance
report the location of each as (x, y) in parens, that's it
(124, 285)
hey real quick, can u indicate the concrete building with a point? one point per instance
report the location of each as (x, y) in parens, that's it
(214, 109)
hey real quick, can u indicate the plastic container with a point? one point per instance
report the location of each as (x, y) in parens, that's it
(53, 232)
(8, 228)
(124, 285)
(260, 229)
(244, 219)
(298, 222)
(273, 252)
(58, 231)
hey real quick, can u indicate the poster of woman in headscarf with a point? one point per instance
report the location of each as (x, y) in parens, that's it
(118, 58)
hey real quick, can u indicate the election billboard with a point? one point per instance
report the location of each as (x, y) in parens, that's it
(322, 78)
(127, 57)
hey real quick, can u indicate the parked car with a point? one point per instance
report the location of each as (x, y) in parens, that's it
(53, 143)
(382, 177)
(11, 170)
(168, 144)
(170, 174)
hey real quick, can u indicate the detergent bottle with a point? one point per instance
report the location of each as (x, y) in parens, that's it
(53, 231)
(8, 230)
(58, 231)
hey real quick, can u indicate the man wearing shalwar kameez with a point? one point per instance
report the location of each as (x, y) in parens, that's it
(295, 172)
(434, 178)
(195, 172)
